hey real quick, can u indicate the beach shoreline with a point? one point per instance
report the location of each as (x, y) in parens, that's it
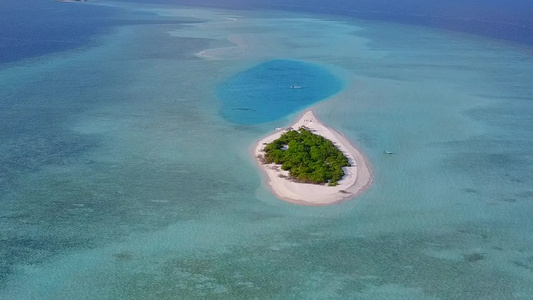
(357, 179)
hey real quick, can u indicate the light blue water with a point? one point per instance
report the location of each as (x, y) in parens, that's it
(120, 178)
(274, 89)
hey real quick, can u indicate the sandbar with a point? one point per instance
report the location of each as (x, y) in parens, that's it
(357, 178)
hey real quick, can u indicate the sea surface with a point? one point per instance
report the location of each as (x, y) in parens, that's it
(126, 173)
(503, 19)
(273, 90)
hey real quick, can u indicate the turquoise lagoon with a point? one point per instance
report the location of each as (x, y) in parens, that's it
(125, 174)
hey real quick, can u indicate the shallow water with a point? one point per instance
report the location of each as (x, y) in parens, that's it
(121, 179)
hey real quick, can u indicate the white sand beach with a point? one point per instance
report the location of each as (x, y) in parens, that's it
(357, 178)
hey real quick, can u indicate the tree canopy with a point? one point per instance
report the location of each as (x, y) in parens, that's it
(308, 157)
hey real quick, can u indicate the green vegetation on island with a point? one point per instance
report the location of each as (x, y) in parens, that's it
(308, 157)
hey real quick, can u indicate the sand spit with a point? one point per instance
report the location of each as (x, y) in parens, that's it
(357, 178)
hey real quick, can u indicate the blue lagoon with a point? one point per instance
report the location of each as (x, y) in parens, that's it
(275, 89)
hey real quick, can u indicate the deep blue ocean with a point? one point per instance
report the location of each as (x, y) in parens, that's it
(508, 20)
(32, 28)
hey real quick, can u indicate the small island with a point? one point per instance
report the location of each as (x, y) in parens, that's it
(309, 157)
(311, 164)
